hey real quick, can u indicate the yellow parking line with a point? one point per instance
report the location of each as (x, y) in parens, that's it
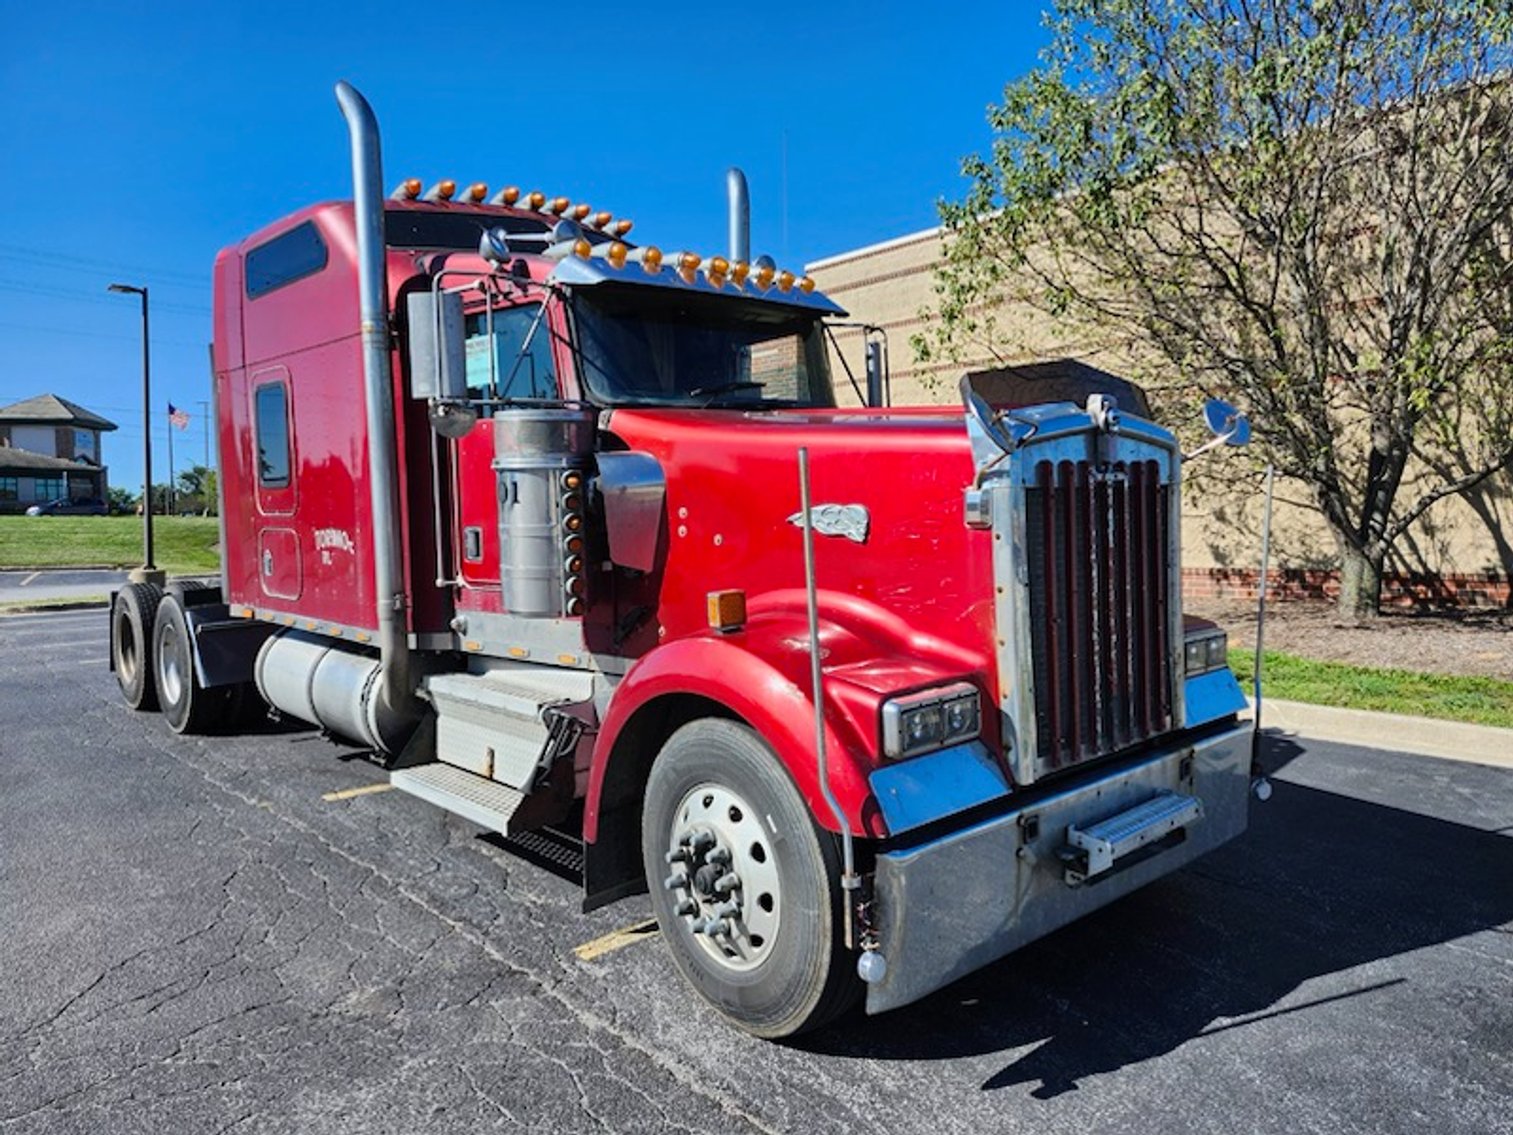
(616, 940)
(365, 790)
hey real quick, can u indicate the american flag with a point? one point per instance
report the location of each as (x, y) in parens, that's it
(177, 417)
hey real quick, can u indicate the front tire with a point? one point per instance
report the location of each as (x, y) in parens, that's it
(745, 886)
(188, 707)
(131, 635)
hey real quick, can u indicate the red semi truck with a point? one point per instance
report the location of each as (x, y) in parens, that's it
(571, 531)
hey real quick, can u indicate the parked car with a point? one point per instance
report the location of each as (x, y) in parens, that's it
(63, 506)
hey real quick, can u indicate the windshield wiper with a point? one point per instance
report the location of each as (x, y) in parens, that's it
(723, 388)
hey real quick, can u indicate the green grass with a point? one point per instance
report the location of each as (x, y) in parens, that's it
(1481, 701)
(181, 544)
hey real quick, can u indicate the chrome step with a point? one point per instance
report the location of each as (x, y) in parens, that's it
(1103, 844)
(492, 724)
(485, 802)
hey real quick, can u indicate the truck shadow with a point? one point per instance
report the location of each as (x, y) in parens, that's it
(1320, 883)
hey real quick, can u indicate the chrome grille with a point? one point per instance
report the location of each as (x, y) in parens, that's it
(1099, 576)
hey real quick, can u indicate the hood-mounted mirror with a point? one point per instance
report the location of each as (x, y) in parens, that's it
(1229, 425)
(494, 245)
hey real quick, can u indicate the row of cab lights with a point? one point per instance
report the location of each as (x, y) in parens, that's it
(763, 272)
(509, 196)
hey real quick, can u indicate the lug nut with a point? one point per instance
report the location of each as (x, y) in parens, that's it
(716, 927)
(673, 882)
(677, 855)
(701, 840)
(687, 906)
(719, 855)
(727, 883)
(727, 910)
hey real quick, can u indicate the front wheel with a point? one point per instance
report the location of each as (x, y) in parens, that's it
(746, 888)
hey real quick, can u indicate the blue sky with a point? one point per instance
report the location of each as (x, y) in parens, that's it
(138, 139)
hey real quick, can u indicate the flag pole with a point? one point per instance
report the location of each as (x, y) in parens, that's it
(205, 418)
(169, 498)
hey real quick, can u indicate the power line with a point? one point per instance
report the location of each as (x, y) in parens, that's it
(52, 292)
(46, 256)
(134, 337)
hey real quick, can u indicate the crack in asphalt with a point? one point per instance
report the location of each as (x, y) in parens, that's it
(293, 926)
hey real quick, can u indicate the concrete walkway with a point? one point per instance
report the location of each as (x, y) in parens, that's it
(1430, 737)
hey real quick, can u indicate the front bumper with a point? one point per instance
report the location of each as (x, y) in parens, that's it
(952, 905)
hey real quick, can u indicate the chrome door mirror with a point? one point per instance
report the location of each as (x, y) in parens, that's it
(438, 363)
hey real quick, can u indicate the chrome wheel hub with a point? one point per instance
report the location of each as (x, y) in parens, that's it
(724, 876)
(170, 680)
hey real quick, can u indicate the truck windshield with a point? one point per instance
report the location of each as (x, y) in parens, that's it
(654, 347)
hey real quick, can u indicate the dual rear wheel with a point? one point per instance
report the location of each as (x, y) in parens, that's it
(153, 657)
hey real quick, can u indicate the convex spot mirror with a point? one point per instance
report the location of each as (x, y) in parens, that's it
(452, 419)
(1227, 424)
(1002, 429)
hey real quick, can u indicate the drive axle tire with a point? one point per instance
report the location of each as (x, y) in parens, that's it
(188, 707)
(131, 635)
(745, 886)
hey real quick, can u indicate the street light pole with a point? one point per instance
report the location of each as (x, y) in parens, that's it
(148, 572)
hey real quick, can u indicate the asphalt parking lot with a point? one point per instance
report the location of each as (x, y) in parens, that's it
(219, 934)
(53, 583)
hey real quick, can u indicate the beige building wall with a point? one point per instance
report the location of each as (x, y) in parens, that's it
(891, 286)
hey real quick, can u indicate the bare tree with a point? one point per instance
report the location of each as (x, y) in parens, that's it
(1301, 206)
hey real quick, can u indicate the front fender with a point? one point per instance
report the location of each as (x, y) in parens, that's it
(762, 677)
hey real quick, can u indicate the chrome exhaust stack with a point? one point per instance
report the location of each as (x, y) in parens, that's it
(739, 220)
(378, 397)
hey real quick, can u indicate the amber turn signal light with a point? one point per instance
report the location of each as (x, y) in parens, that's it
(727, 610)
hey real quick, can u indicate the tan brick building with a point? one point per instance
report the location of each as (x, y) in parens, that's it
(1453, 553)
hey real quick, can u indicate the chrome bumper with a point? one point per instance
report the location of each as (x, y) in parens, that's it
(951, 906)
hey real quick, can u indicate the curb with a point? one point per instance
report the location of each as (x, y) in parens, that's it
(1392, 732)
(42, 608)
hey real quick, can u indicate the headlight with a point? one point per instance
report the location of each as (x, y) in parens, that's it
(1208, 651)
(931, 719)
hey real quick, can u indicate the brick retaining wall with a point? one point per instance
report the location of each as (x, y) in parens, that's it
(1418, 590)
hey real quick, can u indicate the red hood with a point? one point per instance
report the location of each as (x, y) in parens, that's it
(732, 484)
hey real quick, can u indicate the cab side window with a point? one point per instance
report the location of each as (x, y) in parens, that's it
(271, 405)
(288, 257)
(519, 371)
